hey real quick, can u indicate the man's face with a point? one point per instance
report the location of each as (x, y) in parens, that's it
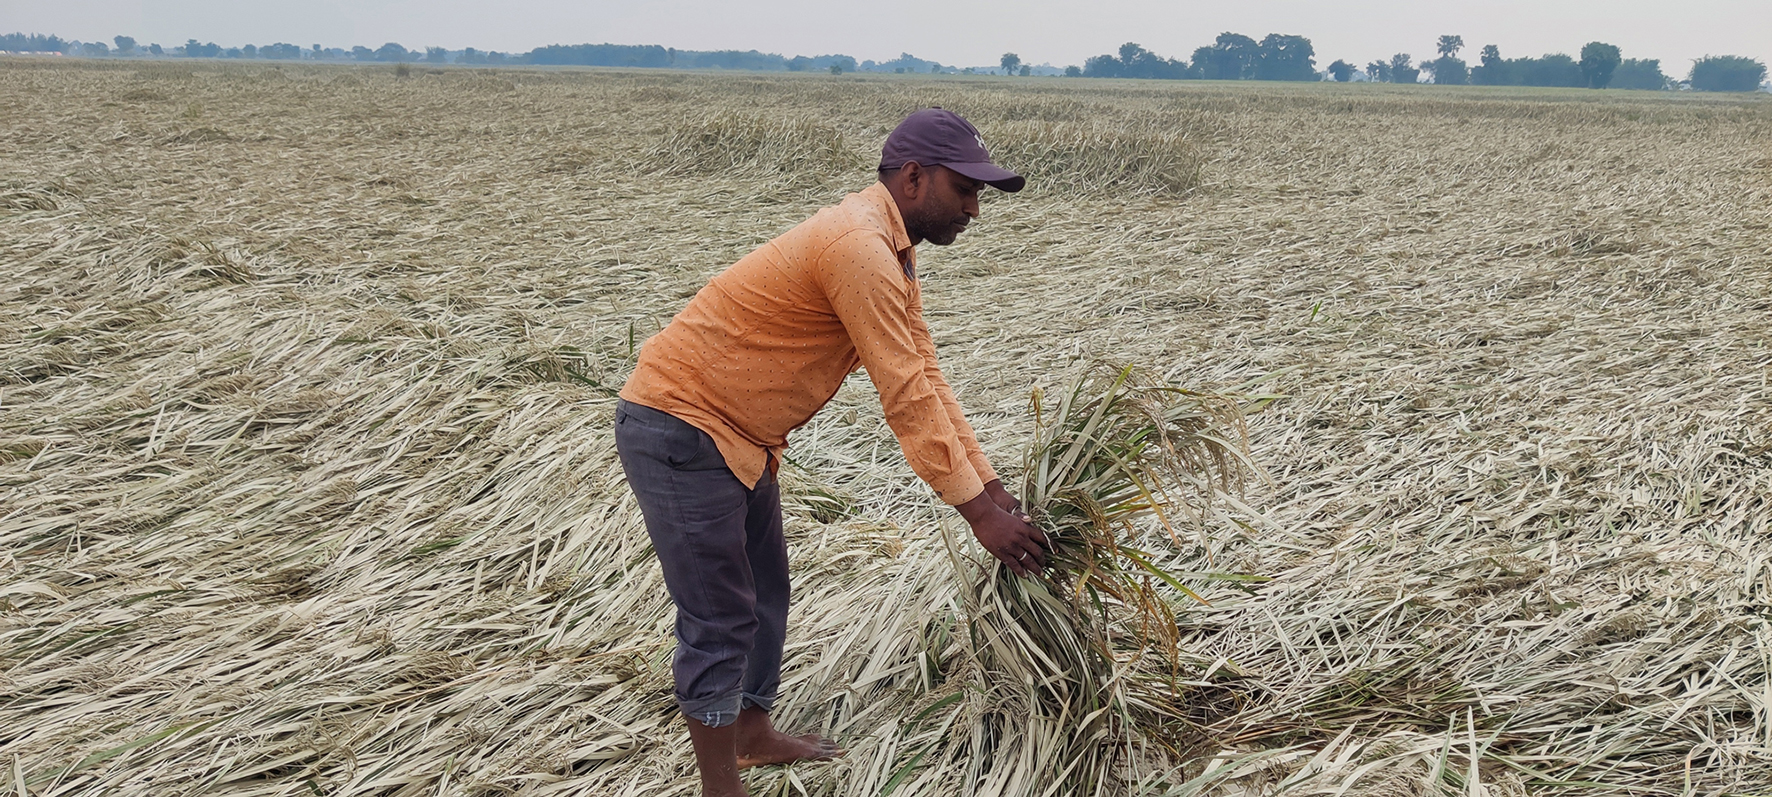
(948, 203)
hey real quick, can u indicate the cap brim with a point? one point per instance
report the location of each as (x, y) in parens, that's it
(991, 174)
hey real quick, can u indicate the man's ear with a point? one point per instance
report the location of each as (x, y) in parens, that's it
(913, 180)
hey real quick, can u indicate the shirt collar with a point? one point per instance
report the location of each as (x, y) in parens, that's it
(901, 239)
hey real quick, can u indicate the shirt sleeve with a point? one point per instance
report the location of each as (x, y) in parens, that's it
(868, 290)
(956, 416)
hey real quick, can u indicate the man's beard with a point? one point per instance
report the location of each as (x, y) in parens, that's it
(940, 231)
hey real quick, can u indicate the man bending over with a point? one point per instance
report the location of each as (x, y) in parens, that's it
(705, 416)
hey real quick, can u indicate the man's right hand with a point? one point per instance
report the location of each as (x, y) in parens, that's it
(1012, 538)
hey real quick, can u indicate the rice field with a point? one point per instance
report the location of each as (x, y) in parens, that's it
(307, 485)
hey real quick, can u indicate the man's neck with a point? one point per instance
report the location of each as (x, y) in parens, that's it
(898, 203)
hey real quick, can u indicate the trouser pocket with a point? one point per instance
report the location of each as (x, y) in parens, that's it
(643, 430)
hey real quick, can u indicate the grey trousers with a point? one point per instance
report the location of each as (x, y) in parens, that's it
(724, 559)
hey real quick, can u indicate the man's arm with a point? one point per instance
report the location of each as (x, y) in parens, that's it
(861, 278)
(993, 485)
(867, 289)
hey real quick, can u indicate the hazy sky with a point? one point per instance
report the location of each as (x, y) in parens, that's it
(951, 31)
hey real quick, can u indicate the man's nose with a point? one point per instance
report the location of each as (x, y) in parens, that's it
(971, 207)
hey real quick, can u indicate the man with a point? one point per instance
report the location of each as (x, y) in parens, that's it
(705, 416)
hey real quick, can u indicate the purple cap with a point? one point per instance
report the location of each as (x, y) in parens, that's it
(935, 137)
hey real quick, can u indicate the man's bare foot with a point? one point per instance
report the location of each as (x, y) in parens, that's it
(760, 744)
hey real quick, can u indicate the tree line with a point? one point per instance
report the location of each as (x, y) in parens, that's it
(128, 47)
(616, 55)
(657, 57)
(1601, 66)
(1232, 56)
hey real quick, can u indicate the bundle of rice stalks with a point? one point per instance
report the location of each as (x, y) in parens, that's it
(1087, 654)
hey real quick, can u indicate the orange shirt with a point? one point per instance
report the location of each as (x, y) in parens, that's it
(769, 340)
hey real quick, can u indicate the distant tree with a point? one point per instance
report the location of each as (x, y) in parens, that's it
(1102, 66)
(95, 49)
(1282, 57)
(1136, 62)
(392, 52)
(1073, 71)
(125, 44)
(1490, 72)
(317, 51)
(1131, 56)
(803, 64)
(741, 59)
(909, 63)
(1401, 71)
(361, 53)
(33, 43)
(1449, 71)
(156, 49)
(1011, 63)
(649, 55)
(249, 51)
(1642, 74)
(1202, 62)
(282, 51)
(836, 69)
(1379, 71)
(470, 55)
(436, 55)
(1555, 69)
(935, 69)
(195, 50)
(1727, 73)
(1342, 71)
(1026, 71)
(231, 52)
(1598, 61)
(496, 57)
(1231, 57)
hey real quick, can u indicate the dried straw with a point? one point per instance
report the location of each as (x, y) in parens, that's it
(308, 485)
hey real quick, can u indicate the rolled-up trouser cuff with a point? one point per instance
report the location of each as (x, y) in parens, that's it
(764, 703)
(724, 711)
(717, 713)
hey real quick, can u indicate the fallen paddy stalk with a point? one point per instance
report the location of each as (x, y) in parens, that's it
(303, 428)
(1083, 659)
